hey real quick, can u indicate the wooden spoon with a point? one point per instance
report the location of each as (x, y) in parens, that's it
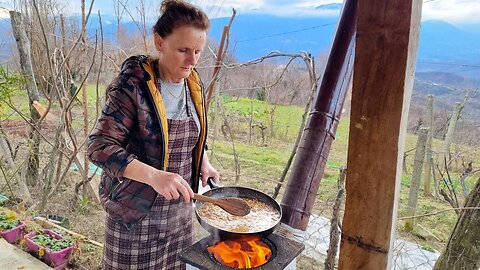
(234, 206)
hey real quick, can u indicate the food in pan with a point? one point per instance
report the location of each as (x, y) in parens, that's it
(261, 217)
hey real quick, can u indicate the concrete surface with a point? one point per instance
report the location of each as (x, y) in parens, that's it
(12, 257)
(406, 255)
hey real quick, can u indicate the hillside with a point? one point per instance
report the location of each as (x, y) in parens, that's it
(447, 88)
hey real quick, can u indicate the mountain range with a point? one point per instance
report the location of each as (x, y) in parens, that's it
(442, 46)
(448, 56)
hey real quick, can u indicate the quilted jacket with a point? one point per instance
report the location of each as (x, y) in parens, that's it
(133, 125)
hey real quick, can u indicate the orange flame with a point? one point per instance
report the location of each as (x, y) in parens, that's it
(245, 252)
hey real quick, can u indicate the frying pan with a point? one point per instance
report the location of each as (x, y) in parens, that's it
(239, 192)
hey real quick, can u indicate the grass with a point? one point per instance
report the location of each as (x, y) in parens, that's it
(285, 118)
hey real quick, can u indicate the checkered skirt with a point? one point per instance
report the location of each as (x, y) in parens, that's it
(155, 242)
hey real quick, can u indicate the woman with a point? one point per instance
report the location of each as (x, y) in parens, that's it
(150, 143)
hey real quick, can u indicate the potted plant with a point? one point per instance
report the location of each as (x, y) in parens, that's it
(11, 228)
(52, 247)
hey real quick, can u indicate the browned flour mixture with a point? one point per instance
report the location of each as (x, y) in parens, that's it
(261, 217)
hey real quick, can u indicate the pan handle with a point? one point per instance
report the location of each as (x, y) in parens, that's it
(212, 183)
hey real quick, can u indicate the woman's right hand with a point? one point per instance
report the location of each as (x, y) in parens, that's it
(171, 185)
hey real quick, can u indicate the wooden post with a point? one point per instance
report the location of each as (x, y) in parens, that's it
(427, 172)
(449, 136)
(385, 57)
(335, 223)
(218, 63)
(416, 176)
(86, 129)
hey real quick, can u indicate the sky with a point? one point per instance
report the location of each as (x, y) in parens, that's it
(453, 11)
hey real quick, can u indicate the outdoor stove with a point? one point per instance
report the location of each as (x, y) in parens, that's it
(284, 251)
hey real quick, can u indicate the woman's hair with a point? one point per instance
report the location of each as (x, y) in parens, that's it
(177, 13)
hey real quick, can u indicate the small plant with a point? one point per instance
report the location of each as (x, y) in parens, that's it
(8, 222)
(428, 248)
(9, 82)
(51, 247)
(11, 228)
(52, 243)
(59, 231)
(261, 94)
(86, 247)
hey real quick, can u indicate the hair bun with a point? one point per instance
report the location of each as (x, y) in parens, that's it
(166, 4)
(176, 13)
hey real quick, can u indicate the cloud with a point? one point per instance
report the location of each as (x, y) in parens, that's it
(224, 8)
(271, 7)
(452, 11)
(4, 13)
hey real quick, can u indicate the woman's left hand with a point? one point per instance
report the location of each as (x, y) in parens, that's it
(207, 171)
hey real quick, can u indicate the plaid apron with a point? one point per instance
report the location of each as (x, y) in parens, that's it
(155, 241)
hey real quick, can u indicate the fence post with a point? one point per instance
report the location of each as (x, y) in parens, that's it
(416, 176)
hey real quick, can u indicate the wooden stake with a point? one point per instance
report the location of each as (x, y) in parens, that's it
(48, 224)
(415, 183)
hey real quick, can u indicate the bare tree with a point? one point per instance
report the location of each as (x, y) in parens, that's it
(62, 59)
(141, 25)
(119, 10)
(463, 247)
(23, 45)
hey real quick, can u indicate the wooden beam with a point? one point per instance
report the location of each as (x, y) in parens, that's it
(50, 225)
(385, 57)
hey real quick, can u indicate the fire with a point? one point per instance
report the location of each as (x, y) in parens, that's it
(245, 252)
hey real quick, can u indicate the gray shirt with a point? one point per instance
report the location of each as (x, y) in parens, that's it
(173, 95)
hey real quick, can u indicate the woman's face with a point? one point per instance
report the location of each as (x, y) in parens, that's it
(179, 52)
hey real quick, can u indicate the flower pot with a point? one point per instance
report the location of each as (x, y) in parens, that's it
(14, 234)
(57, 259)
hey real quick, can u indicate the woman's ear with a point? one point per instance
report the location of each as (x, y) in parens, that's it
(158, 41)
